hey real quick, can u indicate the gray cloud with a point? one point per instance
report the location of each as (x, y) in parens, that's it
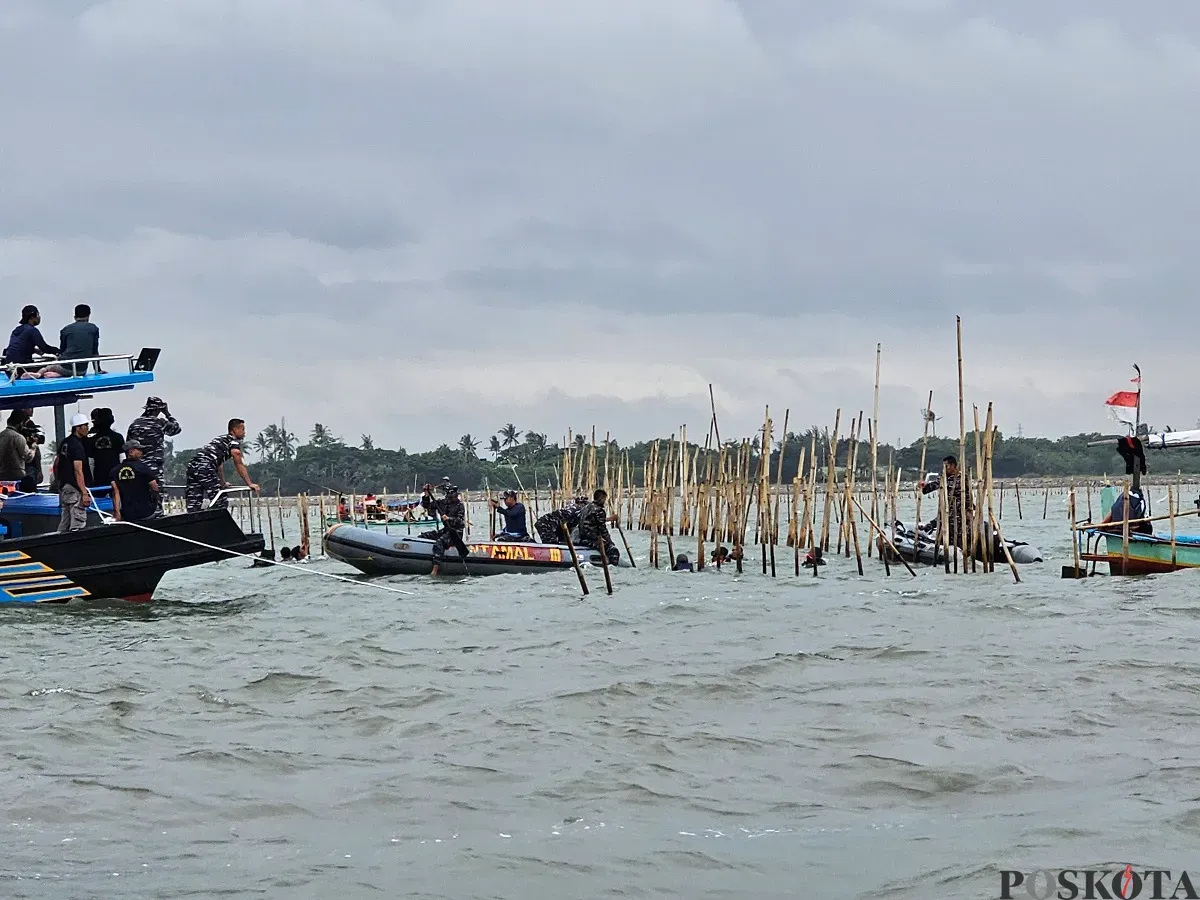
(425, 215)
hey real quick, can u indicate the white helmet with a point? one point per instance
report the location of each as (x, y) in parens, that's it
(79, 419)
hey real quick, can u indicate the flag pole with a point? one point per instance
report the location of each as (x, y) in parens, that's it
(1138, 413)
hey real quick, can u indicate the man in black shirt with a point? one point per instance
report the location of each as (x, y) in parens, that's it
(103, 446)
(134, 487)
(71, 469)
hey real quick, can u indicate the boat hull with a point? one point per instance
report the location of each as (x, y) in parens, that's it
(394, 527)
(117, 561)
(375, 553)
(1148, 554)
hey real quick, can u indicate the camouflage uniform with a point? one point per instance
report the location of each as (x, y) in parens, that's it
(151, 431)
(549, 526)
(954, 489)
(204, 475)
(451, 532)
(593, 530)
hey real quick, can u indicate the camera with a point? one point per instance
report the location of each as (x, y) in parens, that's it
(32, 432)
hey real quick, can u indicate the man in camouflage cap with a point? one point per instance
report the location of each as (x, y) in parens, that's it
(151, 429)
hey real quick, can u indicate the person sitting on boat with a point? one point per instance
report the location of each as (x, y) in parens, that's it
(104, 446)
(550, 526)
(71, 471)
(453, 516)
(593, 526)
(1137, 510)
(205, 473)
(151, 429)
(27, 340)
(133, 487)
(515, 527)
(79, 340)
(15, 452)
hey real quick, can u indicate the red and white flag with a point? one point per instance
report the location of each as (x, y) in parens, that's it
(1123, 406)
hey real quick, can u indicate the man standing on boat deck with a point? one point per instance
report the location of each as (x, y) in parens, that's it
(133, 487)
(151, 429)
(205, 473)
(453, 516)
(71, 469)
(593, 526)
(515, 527)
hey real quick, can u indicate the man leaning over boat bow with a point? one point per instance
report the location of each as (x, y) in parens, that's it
(205, 473)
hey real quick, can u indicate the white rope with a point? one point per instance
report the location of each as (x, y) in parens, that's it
(109, 520)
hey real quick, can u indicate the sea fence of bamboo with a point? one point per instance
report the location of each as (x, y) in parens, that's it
(721, 502)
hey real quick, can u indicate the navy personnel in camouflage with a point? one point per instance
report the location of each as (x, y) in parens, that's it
(453, 516)
(593, 527)
(205, 473)
(151, 429)
(550, 526)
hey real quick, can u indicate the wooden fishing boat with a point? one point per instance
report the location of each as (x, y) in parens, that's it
(106, 560)
(376, 553)
(1140, 554)
(1149, 554)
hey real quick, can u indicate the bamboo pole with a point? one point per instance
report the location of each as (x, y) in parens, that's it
(875, 442)
(575, 557)
(1171, 495)
(921, 473)
(962, 446)
(881, 533)
(829, 481)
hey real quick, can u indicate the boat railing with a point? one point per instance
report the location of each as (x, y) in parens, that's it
(253, 501)
(138, 363)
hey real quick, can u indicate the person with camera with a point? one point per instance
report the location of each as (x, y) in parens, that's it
(15, 451)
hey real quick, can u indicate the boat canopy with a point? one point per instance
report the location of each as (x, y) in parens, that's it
(1173, 440)
(17, 392)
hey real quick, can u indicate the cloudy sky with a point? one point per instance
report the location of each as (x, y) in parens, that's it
(418, 218)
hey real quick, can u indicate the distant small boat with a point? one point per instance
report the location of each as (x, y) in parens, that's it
(374, 553)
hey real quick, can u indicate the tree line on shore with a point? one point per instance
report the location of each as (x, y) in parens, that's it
(522, 459)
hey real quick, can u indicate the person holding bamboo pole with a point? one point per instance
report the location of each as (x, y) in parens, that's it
(593, 526)
(956, 500)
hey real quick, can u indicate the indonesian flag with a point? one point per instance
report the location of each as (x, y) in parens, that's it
(1123, 406)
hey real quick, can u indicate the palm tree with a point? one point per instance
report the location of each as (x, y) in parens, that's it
(510, 435)
(262, 446)
(535, 445)
(366, 442)
(580, 443)
(468, 446)
(285, 441)
(320, 436)
(495, 449)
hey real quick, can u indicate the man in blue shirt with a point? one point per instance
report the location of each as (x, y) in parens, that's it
(515, 527)
(1137, 510)
(26, 340)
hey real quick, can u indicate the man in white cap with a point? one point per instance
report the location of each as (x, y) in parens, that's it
(71, 470)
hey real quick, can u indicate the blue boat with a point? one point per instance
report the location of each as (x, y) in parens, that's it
(112, 560)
